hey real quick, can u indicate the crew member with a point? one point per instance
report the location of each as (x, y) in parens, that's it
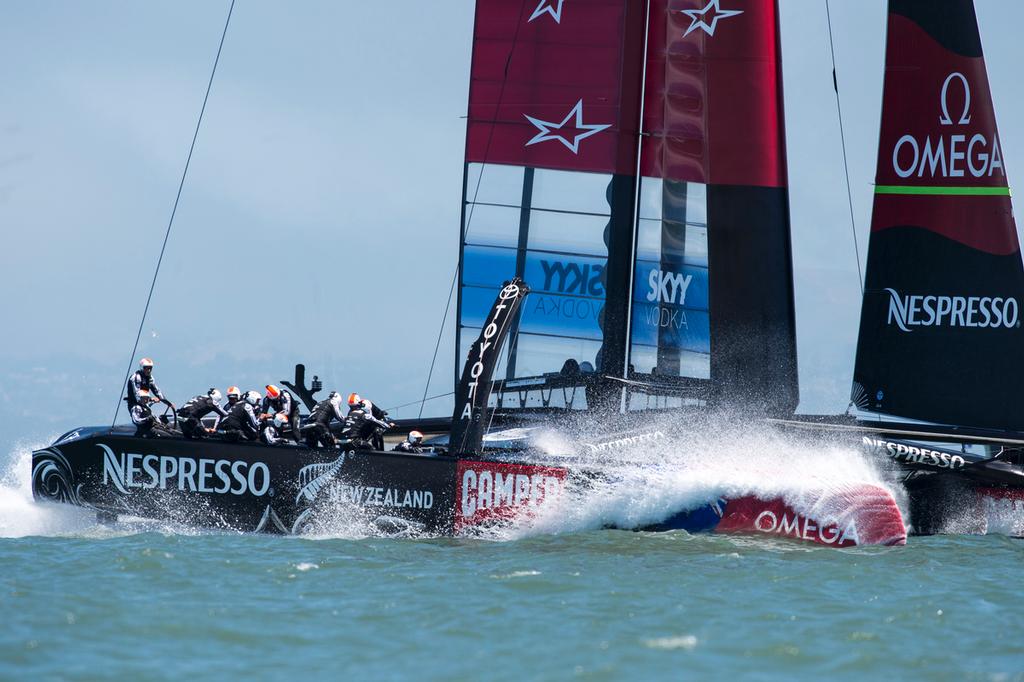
(143, 380)
(242, 422)
(142, 415)
(279, 401)
(413, 444)
(270, 433)
(233, 395)
(356, 402)
(365, 431)
(190, 415)
(142, 391)
(317, 430)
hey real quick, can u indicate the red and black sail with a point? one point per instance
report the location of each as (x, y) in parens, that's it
(626, 158)
(551, 156)
(713, 295)
(940, 335)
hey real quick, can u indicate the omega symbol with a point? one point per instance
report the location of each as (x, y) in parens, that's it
(965, 117)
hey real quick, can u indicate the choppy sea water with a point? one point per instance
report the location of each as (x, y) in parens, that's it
(141, 601)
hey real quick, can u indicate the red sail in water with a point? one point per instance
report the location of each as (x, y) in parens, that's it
(940, 335)
(714, 214)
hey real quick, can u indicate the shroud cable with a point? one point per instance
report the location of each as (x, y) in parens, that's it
(170, 222)
(842, 139)
(464, 231)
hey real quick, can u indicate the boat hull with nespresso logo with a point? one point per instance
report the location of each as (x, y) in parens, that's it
(251, 487)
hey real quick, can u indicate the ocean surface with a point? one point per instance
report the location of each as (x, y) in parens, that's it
(138, 600)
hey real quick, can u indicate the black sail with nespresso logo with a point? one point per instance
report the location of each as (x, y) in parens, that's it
(469, 419)
(940, 333)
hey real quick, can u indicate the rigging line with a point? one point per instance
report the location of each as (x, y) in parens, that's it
(842, 139)
(624, 399)
(437, 345)
(464, 229)
(414, 402)
(174, 210)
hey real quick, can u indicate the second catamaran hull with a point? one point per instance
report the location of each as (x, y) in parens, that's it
(951, 487)
(248, 487)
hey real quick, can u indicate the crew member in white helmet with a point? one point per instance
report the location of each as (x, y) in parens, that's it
(233, 395)
(413, 444)
(317, 430)
(190, 415)
(141, 392)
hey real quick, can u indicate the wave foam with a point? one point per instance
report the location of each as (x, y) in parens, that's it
(654, 480)
(20, 515)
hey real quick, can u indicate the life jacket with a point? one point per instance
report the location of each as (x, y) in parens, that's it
(282, 403)
(139, 381)
(197, 407)
(359, 425)
(322, 413)
(241, 417)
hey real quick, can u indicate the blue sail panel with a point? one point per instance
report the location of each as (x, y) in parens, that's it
(671, 312)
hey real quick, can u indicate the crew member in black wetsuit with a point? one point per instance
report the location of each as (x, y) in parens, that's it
(279, 401)
(413, 444)
(365, 430)
(190, 415)
(141, 392)
(317, 430)
(233, 395)
(242, 422)
(376, 435)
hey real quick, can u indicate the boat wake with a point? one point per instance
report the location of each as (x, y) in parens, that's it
(644, 481)
(637, 484)
(22, 516)
(654, 478)
(988, 514)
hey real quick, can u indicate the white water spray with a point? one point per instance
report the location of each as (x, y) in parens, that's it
(22, 516)
(652, 480)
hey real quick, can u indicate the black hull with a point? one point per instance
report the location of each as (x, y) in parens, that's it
(949, 489)
(244, 487)
(291, 489)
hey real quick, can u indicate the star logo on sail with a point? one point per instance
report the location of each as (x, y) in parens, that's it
(707, 19)
(551, 7)
(570, 131)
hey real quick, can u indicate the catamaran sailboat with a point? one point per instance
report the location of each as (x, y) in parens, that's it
(938, 364)
(680, 294)
(626, 159)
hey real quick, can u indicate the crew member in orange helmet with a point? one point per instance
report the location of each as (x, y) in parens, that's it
(279, 401)
(357, 402)
(276, 400)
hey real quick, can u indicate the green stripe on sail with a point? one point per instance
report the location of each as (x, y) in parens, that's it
(949, 191)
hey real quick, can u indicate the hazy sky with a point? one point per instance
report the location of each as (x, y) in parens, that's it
(320, 218)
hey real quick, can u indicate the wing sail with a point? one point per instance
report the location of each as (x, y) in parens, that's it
(940, 333)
